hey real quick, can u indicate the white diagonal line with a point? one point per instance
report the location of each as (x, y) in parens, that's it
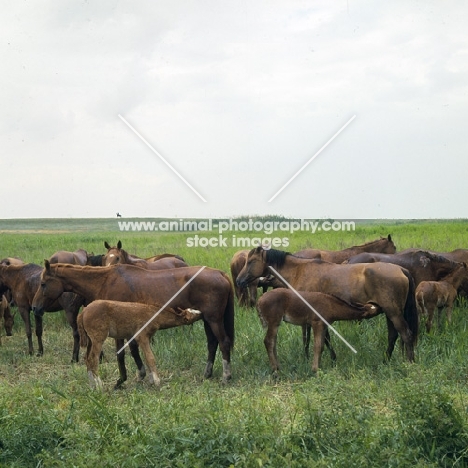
(161, 309)
(161, 157)
(312, 158)
(312, 309)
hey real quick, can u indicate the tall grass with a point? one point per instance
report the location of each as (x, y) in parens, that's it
(359, 412)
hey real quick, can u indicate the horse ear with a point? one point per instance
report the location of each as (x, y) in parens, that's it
(119, 245)
(106, 245)
(389, 238)
(259, 249)
(47, 265)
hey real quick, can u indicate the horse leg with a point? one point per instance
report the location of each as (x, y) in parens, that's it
(392, 337)
(430, 318)
(252, 290)
(39, 328)
(270, 341)
(320, 330)
(121, 363)
(143, 342)
(93, 349)
(399, 326)
(212, 345)
(137, 358)
(217, 336)
(329, 345)
(25, 315)
(306, 339)
(71, 316)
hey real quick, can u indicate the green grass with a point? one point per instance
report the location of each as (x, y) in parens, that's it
(359, 412)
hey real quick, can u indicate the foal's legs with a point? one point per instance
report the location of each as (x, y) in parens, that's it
(93, 350)
(40, 347)
(143, 341)
(320, 329)
(270, 341)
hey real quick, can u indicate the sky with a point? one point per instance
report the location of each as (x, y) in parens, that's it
(236, 98)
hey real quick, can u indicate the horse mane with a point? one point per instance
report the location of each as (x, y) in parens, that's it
(95, 260)
(276, 258)
(435, 257)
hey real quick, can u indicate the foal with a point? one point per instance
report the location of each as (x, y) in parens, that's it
(432, 295)
(284, 305)
(122, 320)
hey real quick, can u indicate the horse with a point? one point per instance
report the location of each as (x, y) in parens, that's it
(209, 291)
(123, 320)
(388, 286)
(284, 305)
(382, 245)
(24, 281)
(116, 255)
(432, 295)
(247, 296)
(422, 264)
(6, 315)
(78, 257)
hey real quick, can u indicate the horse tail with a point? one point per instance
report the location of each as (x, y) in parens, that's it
(411, 312)
(229, 314)
(81, 330)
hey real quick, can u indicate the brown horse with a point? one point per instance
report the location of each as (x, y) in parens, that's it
(23, 281)
(11, 261)
(432, 295)
(123, 320)
(117, 255)
(388, 286)
(78, 257)
(382, 245)
(422, 264)
(285, 305)
(209, 291)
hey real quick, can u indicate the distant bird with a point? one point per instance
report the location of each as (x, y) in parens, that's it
(118, 215)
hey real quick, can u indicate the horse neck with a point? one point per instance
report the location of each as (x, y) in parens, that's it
(456, 277)
(291, 267)
(371, 247)
(84, 281)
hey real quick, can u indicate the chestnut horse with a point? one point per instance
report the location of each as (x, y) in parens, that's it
(422, 264)
(209, 291)
(116, 255)
(285, 305)
(388, 286)
(432, 295)
(382, 245)
(123, 320)
(23, 281)
(78, 257)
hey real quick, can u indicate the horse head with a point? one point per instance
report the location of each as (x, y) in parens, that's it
(50, 289)
(389, 247)
(113, 255)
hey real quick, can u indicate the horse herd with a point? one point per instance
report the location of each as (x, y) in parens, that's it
(129, 298)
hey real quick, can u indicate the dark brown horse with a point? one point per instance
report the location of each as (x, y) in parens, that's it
(285, 305)
(388, 286)
(382, 245)
(422, 264)
(117, 255)
(23, 281)
(437, 295)
(123, 320)
(210, 291)
(78, 257)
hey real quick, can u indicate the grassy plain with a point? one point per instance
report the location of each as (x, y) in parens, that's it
(360, 412)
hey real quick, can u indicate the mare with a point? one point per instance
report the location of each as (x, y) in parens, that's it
(388, 286)
(122, 320)
(382, 245)
(6, 315)
(24, 281)
(117, 255)
(432, 295)
(78, 257)
(423, 265)
(247, 296)
(284, 305)
(209, 291)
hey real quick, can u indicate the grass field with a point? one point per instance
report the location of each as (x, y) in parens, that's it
(357, 413)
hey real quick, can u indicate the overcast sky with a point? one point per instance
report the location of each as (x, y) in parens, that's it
(237, 97)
